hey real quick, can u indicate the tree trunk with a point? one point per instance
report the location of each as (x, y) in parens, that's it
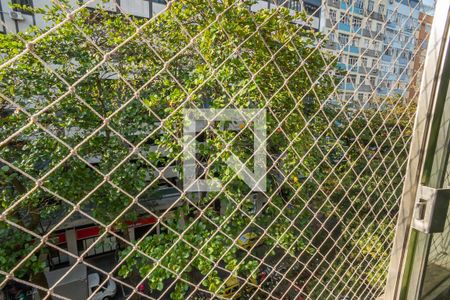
(135, 277)
(40, 279)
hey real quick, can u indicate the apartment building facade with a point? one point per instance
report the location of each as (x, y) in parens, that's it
(374, 42)
(398, 48)
(355, 34)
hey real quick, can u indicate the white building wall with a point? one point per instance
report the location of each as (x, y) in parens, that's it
(139, 8)
(136, 8)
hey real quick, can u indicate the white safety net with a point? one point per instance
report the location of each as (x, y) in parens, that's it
(204, 149)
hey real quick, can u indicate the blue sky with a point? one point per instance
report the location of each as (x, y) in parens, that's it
(428, 2)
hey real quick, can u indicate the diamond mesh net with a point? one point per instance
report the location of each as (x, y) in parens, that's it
(110, 189)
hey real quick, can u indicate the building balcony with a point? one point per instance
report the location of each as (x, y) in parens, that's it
(351, 68)
(397, 44)
(347, 86)
(403, 61)
(353, 9)
(388, 37)
(372, 34)
(367, 70)
(387, 58)
(392, 77)
(409, 29)
(410, 46)
(392, 25)
(341, 66)
(357, 30)
(365, 88)
(333, 4)
(346, 67)
(370, 52)
(377, 16)
(366, 33)
(351, 49)
(363, 70)
(344, 27)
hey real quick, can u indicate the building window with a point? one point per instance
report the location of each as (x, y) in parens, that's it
(359, 4)
(356, 22)
(360, 96)
(366, 43)
(351, 79)
(370, 5)
(381, 8)
(107, 244)
(372, 81)
(393, 18)
(355, 42)
(403, 54)
(295, 5)
(376, 45)
(343, 38)
(333, 16)
(145, 230)
(388, 51)
(364, 61)
(57, 259)
(379, 27)
(331, 36)
(353, 60)
(389, 34)
(24, 3)
(345, 19)
(410, 27)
